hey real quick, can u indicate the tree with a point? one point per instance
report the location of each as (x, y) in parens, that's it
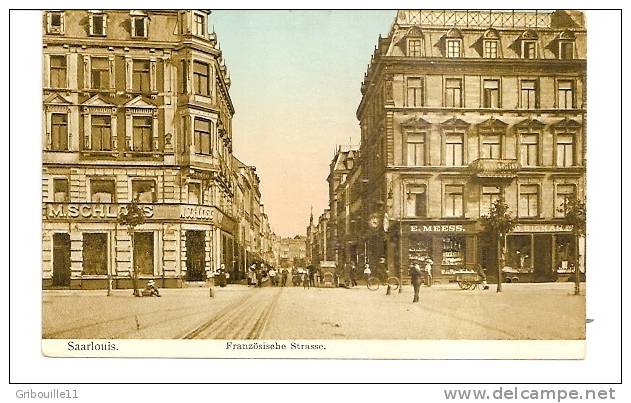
(575, 212)
(132, 216)
(497, 223)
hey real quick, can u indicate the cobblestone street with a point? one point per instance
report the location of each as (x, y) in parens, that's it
(522, 311)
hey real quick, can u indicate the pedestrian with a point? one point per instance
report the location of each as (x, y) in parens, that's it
(382, 269)
(252, 275)
(482, 274)
(415, 274)
(304, 274)
(272, 276)
(353, 275)
(428, 271)
(367, 272)
(259, 277)
(220, 275)
(311, 271)
(283, 277)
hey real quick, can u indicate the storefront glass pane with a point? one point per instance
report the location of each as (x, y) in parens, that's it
(95, 254)
(565, 254)
(518, 253)
(453, 257)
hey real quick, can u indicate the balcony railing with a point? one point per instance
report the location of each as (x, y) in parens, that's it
(475, 18)
(494, 168)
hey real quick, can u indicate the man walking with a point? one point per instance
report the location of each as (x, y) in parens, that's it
(415, 273)
(311, 272)
(353, 275)
(283, 277)
(272, 276)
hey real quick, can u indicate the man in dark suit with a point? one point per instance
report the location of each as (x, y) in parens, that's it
(416, 273)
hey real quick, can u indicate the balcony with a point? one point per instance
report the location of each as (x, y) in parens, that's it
(493, 168)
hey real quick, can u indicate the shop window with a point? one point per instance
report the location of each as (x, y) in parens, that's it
(199, 24)
(415, 47)
(95, 254)
(490, 146)
(565, 150)
(565, 94)
(529, 149)
(490, 49)
(55, 22)
(420, 247)
(518, 252)
(416, 201)
(564, 194)
(415, 89)
(453, 93)
(454, 149)
(565, 254)
(58, 72)
(490, 194)
(98, 24)
(194, 193)
(140, 76)
(100, 73)
(528, 49)
(491, 93)
(201, 78)
(101, 135)
(144, 253)
(415, 149)
(528, 98)
(102, 191)
(203, 136)
(143, 190)
(453, 254)
(59, 132)
(453, 47)
(139, 27)
(142, 133)
(61, 192)
(528, 201)
(454, 200)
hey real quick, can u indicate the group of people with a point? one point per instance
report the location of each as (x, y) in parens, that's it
(258, 272)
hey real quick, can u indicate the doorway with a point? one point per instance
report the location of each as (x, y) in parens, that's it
(195, 255)
(61, 260)
(143, 253)
(543, 257)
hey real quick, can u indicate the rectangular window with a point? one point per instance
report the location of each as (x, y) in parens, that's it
(416, 201)
(142, 133)
(95, 254)
(144, 252)
(144, 190)
(201, 78)
(566, 50)
(58, 72)
(529, 50)
(454, 143)
(102, 191)
(490, 49)
(564, 194)
(194, 193)
(101, 133)
(100, 73)
(490, 147)
(565, 150)
(415, 91)
(566, 94)
(491, 93)
(415, 47)
(139, 27)
(453, 93)
(416, 149)
(489, 195)
(202, 136)
(454, 200)
(56, 22)
(98, 24)
(528, 200)
(529, 149)
(528, 94)
(59, 132)
(453, 47)
(199, 25)
(61, 192)
(140, 76)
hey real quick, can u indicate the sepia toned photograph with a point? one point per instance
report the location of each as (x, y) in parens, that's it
(293, 180)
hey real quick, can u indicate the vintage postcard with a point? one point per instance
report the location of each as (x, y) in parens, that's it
(396, 184)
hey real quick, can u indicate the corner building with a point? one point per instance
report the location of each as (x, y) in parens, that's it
(136, 105)
(459, 107)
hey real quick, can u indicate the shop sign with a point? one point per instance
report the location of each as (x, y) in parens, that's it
(438, 228)
(61, 210)
(542, 228)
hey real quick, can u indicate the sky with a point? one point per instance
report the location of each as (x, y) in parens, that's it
(295, 85)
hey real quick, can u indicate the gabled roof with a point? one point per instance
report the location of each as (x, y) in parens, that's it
(566, 124)
(416, 122)
(455, 122)
(530, 123)
(99, 101)
(139, 102)
(492, 123)
(57, 99)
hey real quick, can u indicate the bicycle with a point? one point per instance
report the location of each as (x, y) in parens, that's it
(373, 283)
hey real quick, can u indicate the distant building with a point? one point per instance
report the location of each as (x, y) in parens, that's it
(293, 252)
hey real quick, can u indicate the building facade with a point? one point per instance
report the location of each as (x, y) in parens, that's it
(293, 252)
(136, 106)
(458, 108)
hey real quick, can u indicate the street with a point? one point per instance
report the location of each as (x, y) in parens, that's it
(521, 311)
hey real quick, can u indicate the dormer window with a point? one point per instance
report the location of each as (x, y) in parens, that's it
(139, 26)
(98, 24)
(453, 47)
(528, 41)
(55, 22)
(566, 50)
(490, 44)
(199, 24)
(415, 47)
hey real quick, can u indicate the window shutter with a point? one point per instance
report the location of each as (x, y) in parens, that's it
(91, 20)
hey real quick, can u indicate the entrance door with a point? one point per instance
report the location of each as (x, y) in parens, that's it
(143, 252)
(61, 260)
(543, 257)
(195, 256)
